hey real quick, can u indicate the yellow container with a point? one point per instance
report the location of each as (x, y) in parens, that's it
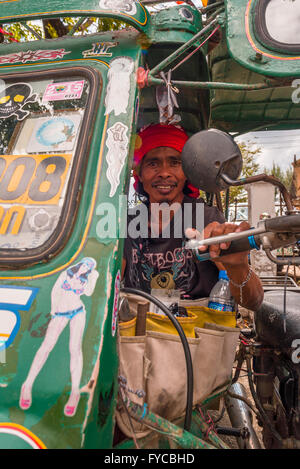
(197, 317)
(161, 323)
(128, 328)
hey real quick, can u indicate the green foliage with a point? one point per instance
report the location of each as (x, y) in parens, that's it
(57, 27)
(285, 176)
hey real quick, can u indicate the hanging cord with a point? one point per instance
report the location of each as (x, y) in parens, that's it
(208, 420)
(129, 419)
(195, 50)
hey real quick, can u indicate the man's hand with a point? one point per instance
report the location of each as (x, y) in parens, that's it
(218, 229)
(236, 265)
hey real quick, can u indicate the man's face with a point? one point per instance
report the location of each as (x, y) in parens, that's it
(162, 176)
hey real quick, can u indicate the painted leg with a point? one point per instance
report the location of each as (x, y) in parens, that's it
(55, 328)
(77, 325)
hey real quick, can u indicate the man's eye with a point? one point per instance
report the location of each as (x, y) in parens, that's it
(176, 162)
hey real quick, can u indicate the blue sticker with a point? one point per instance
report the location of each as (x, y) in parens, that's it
(55, 131)
(13, 299)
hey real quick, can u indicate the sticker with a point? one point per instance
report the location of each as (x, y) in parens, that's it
(66, 309)
(54, 134)
(30, 440)
(118, 88)
(116, 303)
(63, 91)
(13, 300)
(35, 179)
(122, 6)
(40, 220)
(100, 49)
(33, 56)
(117, 144)
(13, 98)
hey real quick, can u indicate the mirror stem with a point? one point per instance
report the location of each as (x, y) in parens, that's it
(265, 178)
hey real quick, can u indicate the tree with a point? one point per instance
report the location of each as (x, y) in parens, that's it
(58, 27)
(285, 176)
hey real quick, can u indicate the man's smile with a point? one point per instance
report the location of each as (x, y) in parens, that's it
(164, 187)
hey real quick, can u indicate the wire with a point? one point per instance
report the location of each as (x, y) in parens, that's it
(197, 48)
(284, 296)
(186, 348)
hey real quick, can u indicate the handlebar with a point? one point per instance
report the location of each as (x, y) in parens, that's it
(271, 233)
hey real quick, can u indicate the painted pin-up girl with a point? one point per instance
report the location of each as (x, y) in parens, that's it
(66, 308)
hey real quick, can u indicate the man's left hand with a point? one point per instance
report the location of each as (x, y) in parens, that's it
(218, 229)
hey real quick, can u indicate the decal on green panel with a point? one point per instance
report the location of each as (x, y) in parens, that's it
(14, 436)
(13, 299)
(66, 309)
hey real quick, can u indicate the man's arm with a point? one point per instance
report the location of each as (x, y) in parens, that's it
(245, 285)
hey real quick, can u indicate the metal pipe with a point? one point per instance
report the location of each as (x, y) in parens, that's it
(241, 417)
(183, 438)
(293, 261)
(31, 30)
(210, 84)
(265, 178)
(228, 238)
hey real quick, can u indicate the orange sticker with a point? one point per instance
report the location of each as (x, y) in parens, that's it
(33, 180)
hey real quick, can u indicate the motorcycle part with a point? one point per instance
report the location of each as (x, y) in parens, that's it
(269, 318)
(207, 155)
(241, 417)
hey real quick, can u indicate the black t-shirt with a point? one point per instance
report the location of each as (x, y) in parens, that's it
(163, 262)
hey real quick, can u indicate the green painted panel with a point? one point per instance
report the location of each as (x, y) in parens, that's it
(48, 356)
(245, 110)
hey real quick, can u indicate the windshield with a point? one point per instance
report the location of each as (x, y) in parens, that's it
(40, 124)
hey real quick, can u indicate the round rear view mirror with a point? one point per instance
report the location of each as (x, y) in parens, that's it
(209, 154)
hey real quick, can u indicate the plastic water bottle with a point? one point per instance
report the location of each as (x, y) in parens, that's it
(220, 297)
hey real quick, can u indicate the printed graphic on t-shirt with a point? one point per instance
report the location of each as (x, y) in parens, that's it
(173, 269)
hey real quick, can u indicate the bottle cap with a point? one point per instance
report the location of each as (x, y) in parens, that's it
(223, 275)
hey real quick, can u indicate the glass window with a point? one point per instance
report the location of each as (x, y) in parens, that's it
(41, 123)
(277, 24)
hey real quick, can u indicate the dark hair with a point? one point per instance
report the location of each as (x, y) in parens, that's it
(144, 197)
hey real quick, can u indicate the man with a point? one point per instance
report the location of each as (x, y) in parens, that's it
(161, 261)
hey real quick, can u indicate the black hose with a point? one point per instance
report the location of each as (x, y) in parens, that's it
(186, 348)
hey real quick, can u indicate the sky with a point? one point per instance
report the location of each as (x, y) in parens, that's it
(278, 146)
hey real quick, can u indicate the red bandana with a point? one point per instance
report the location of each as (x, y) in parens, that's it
(160, 135)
